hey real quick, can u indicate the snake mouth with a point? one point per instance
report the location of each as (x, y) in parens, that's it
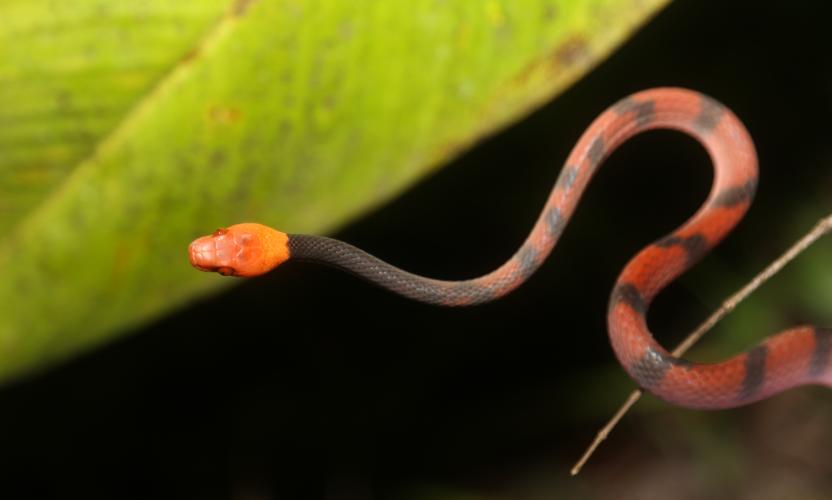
(203, 268)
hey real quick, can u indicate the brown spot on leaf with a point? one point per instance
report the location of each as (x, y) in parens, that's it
(549, 12)
(240, 7)
(572, 51)
(190, 55)
(224, 114)
(217, 159)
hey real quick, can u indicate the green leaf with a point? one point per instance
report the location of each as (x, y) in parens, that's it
(128, 128)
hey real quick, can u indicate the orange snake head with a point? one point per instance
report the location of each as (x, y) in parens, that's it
(246, 249)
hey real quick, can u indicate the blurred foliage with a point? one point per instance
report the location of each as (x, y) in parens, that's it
(128, 128)
(380, 397)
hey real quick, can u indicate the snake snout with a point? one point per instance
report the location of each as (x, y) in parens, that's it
(202, 253)
(245, 250)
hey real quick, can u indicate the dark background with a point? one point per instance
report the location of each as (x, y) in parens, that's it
(310, 384)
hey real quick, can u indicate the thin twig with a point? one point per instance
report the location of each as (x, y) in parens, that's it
(822, 227)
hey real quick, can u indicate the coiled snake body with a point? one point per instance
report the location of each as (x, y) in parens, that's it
(794, 357)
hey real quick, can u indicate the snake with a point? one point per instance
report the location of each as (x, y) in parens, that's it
(793, 357)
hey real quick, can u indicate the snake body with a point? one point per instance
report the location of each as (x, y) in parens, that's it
(793, 357)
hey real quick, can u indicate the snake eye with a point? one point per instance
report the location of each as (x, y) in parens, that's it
(226, 271)
(219, 232)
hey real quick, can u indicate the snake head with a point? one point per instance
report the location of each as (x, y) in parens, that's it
(246, 249)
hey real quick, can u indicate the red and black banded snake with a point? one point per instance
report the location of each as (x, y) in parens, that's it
(793, 357)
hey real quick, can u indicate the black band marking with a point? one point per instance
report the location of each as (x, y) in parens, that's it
(645, 111)
(820, 354)
(650, 370)
(568, 176)
(628, 294)
(710, 114)
(347, 258)
(469, 293)
(695, 245)
(755, 371)
(736, 195)
(529, 258)
(596, 152)
(554, 222)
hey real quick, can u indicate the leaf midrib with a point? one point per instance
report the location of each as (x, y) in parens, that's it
(196, 52)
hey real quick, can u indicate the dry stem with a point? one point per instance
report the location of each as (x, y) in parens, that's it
(821, 228)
